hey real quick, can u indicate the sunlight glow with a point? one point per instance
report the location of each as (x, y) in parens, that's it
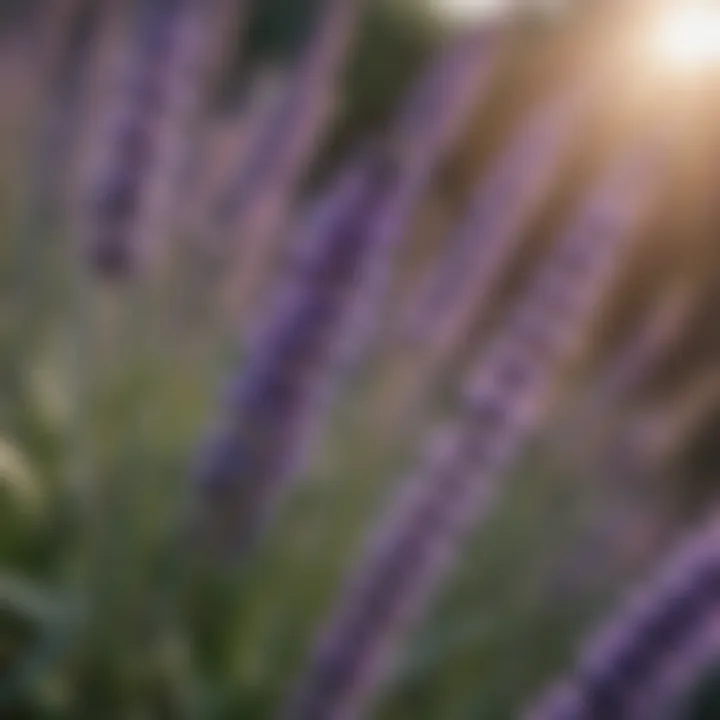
(687, 37)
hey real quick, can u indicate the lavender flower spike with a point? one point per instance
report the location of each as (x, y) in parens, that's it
(410, 554)
(639, 666)
(129, 203)
(270, 411)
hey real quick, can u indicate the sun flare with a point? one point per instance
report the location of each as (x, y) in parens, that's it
(687, 37)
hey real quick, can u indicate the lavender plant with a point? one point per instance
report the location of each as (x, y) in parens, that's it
(409, 554)
(640, 664)
(128, 209)
(327, 300)
(258, 443)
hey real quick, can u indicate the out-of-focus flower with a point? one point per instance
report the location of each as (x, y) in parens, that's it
(641, 663)
(128, 212)
(270, 409)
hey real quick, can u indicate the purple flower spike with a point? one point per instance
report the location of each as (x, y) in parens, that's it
(271, 409)
(130, 198)
(639, 666)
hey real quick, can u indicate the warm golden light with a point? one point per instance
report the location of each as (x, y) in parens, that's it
(687, 36)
